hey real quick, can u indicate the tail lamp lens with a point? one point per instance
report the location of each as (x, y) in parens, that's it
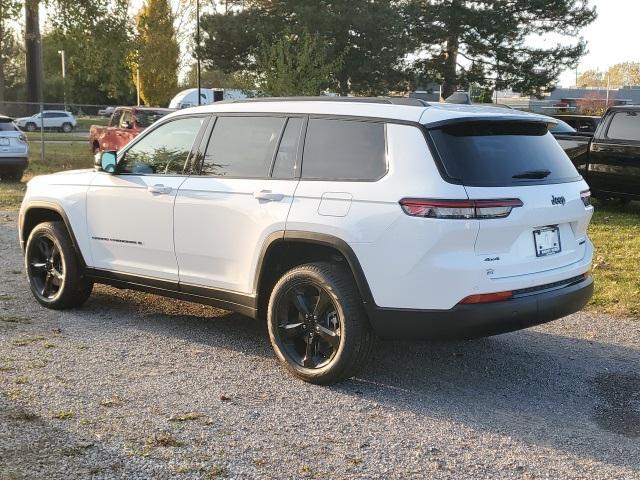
(488, 298)
(586, 197)
(459, 209)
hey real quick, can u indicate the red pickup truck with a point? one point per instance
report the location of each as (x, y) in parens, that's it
(125, 124)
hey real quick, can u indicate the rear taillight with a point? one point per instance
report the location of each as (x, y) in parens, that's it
(22, 138)
(459, 209)
(488, 297)
(586, 197)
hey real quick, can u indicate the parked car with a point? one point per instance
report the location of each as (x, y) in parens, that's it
(336, 220)
(126, 123)
(610, 159)
(14, 150)
(53, 120)
(574, 143)
(582, 123)
(106, 112)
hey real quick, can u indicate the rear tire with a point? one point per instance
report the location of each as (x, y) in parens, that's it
(317, 324)
(53, 268)
(67, 127)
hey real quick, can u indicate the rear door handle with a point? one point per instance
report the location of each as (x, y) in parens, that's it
(268, 195)
(159, 188)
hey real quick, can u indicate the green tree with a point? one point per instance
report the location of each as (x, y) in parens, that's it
(487, 41)
(371, 36)
(158, 53)
(9, 10)
(96, 36)
(592, 78)
(623, 74)
(294, 65)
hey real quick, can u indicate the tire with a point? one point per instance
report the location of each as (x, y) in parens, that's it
(333, 340)
(31, 127)
(67, 127)
(53, 269)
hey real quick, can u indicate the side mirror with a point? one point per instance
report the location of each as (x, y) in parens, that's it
(108, 161)
(129, 125)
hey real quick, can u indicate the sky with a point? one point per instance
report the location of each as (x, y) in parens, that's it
(612, 38)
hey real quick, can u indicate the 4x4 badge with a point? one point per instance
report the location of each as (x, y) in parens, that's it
(557, 200)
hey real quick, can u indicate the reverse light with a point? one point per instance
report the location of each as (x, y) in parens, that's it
(459, 209)
(488, 297)
(586, 197)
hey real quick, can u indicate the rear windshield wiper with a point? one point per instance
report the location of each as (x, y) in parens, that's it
(533, 174)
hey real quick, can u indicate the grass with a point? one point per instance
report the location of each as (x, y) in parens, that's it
(84, 123)
(34, 137)
(615, 232)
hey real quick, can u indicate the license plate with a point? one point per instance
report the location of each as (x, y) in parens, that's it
(547, 241)
(4, 142)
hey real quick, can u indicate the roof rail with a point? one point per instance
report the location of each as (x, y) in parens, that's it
(413, 102)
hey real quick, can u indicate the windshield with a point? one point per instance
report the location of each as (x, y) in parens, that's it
(562, 127)
(147, 117)
(502, 153)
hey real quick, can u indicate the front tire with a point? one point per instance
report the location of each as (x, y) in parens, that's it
(31, 127)
(317, 325)
(53, 268)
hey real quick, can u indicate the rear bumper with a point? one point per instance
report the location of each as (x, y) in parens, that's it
(11, 163)
(480, 320)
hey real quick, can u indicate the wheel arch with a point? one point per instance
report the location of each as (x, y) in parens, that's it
(285, 250)
(38, 212)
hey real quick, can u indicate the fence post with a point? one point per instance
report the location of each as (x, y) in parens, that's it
(42, 133)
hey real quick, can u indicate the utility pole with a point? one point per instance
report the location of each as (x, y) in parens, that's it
(138, 83)
(33, 48)
(64, 78)
(198, 50)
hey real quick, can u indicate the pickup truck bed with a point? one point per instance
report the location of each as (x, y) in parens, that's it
(610, 160)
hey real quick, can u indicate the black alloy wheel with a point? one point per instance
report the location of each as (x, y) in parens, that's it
(317, 324)
(53, 267)
(46, 269)
(309, 325)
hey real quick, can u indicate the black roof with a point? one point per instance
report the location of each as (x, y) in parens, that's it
(413, 102)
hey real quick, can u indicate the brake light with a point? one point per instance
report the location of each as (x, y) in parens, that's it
(586, 197)
(488, 297)
(22, 138)
(459, 209)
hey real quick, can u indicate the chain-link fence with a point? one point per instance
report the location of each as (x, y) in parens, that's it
(57, 134)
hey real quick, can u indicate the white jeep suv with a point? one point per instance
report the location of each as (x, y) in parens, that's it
(337, 220)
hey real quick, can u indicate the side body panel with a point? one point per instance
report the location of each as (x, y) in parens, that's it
(388, 244)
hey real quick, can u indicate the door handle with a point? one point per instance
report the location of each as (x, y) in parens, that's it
(159, 188)
(268, 195)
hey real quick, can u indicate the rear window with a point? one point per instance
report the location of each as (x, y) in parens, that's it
(148, 117)
(7, 126)
(500, 154)
(625, 126)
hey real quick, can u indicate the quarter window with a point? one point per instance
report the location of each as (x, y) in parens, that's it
(242, 147)
(344, 150)
(286, 160)
(625, 126)
(164, 151)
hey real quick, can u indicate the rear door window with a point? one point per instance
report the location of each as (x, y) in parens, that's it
(625, 126)
(344, 150)
(498, 154)
(286, 164)
(242, 147)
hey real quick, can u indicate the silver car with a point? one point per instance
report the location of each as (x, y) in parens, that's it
(14, 150)
(53, 119)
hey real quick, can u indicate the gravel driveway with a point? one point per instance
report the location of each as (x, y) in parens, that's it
(137, 386)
